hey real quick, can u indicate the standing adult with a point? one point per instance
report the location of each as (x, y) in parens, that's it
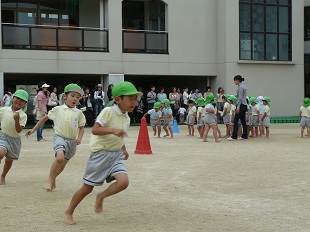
(41, 110)
(196, 94)
(219, 102)
(86, 101)
(7, 97)
(109, 92)
(240, 110)
(208, 91)
(151, 97)
(53, 99)
(161, 95)
(99, 99)
(185, 97)
(139, 105)
(174, 100)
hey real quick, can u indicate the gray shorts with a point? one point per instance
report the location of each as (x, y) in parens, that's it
(168, 121)
(305, 122)
(102, 166)
(202, 121)
(190, 120)
(209, 119)
(254, 121)
(152, 122)
(64, 144)
(266, 122)
(226, 119)
(11, 145)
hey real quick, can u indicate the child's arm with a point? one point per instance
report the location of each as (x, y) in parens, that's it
(199, 117)
(210, 110)
(224, 112)
(125, 152)
(300, 114)
(264, 115)
(258, 115)
(18, 127)
(39, 123)
(232, 116)
(78, 140)
(99, 130)
(145, 114)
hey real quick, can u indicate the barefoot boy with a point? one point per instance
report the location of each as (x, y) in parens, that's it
(69, 129)
(155, 116)
(12, 120)
(108, 151)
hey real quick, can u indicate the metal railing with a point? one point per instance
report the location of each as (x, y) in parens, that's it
(46, 37)
(141, 41)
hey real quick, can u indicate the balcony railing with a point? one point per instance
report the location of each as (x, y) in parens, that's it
(42, 37)
(138, 41)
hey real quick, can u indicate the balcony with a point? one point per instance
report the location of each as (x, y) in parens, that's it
(43, 37)
(141, 41)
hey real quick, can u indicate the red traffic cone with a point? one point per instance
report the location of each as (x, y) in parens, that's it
(143, 144)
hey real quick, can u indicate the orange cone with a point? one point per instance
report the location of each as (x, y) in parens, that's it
(143, 144)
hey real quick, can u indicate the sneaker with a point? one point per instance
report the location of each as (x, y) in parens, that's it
(240, 138)
(231, 139)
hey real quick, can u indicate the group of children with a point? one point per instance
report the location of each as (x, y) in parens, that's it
(108, 150)
(203, 112)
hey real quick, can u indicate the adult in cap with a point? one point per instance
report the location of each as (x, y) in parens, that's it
(41, 108)
(99, 99)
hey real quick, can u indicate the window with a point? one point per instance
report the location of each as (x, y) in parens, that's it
(265, 30)
(307, 23)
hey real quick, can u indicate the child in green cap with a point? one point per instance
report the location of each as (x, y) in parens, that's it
(155, 116)
(304, 115)
(167, 115)
(200, 117)
(108, 150)
(266, 115)
(12, 119)
(69, 129)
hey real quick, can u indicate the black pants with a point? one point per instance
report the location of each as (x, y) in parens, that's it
(241, 116)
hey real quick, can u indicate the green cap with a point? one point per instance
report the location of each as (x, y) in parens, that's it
(253, 99)
(267, 99)
(74, 88)
(233, 99)
(200, 101)
(124, 88)
(22, 94)
(157, 105)
(166, 102)
(306, 102)
(209, 98)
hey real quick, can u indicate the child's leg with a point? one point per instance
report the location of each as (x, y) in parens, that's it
(76, 199)
(121, 184)
(218, 131)
(56, 168)
(192, 130)
(302, 132)
(159, 131)
(214, 128)
(189, 130)
(267, 132)
(154, 130)
(6, 168)
(171, 132)
(256, 131)
(205, 133)
(308, 132)
(166, 130)
(227, 130)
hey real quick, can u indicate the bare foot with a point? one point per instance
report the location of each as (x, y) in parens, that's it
(98, 204)
(218, 140)
(205, 140)
(68, 219)
(2, 182)
(171, 138)
(49, 186)
(166, 135)
(266, 137)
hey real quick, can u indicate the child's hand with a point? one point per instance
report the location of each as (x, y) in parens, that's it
(119, 133)
(126, 155)
(28, 133)
(77, 141)
(16, 116)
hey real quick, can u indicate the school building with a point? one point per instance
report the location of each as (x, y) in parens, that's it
(165, 43)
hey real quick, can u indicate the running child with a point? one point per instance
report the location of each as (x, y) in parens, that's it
(12, 119)
(168, 118)
(200, 117)
(266, 115)
(209, 119)
(304, 115)
(155, 116)
(69, 129)
(181, 112)
(108, 150)
(191, 115)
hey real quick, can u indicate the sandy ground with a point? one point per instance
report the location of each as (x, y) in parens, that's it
(185, 185)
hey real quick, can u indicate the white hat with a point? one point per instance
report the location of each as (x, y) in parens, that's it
(45, 85)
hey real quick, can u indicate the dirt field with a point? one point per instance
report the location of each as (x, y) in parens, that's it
(185, 185)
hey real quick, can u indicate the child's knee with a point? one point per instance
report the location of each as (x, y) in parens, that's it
(60, 156)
